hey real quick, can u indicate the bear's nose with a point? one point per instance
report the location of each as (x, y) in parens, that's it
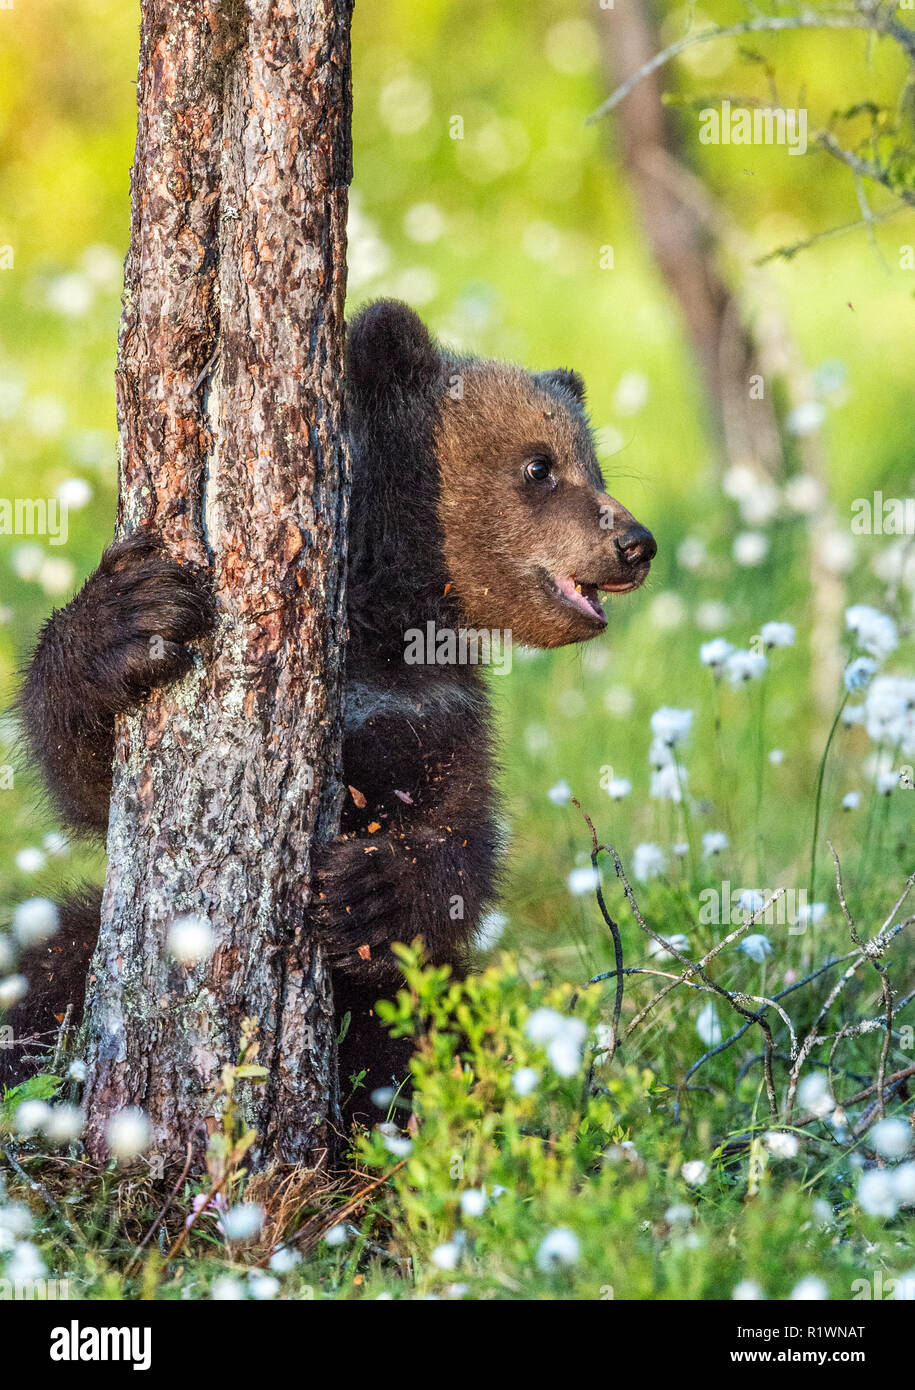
(637, 546)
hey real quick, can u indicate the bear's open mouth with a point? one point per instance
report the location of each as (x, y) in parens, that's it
(584, 597)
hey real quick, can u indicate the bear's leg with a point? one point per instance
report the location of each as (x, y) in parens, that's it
(57, 972)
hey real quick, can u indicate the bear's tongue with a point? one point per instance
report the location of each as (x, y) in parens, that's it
(583, 596)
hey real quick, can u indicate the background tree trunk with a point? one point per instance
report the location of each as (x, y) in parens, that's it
(686, 246)
(230, 415)
(730, 310)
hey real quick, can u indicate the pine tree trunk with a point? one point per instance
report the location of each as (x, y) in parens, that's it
(230, 416)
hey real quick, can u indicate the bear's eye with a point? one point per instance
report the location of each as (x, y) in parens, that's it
(538, 470)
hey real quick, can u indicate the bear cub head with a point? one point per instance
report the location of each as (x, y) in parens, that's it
(527, 536)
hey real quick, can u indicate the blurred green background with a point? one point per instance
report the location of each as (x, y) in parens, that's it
(498, 240)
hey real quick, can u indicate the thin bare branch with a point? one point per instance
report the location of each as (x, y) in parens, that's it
(875, 21)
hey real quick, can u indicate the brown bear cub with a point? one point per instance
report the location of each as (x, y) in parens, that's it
(478, 507)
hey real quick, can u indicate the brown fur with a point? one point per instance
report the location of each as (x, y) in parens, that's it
(447, 528)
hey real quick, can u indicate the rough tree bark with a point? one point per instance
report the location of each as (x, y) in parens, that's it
(231, 446)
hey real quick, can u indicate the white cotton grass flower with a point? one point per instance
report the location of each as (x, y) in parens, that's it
(74, 494)
(625, 1151)
(668, 783)
(714, 842)
(227, 1289)
(619, 701)
(191, 939)
(562, 1037)
(751, 900)
(25, 1264)
(261, 1286)
(891, 1138)
(337, 1235)
(836, 551)
(715, 653)
(13, 988)
(35, 921)
(743, 666)
(564, 1051)
(671, 726)
(712, 613)
(15, 1221)
(859, 673)
(708, 1026)
(30, 1117)
(757, 498)
(525, 1080)
(543, 1025)
(806, 418)
(809, 914)
(244, 1221)
(875, 632)
(618, 787)
(777, 635)
(27, 561)
(680, 849)
(397, 1145)
(776, 756)
(780, 1144)
(659, 952)
(490, 930)
(129, 1134)
(284, 1259)
(648, 861)
(561, 794)
(447, 1255)
(886, 782)
(851, 801)
(603, 1036)
(473, 1202)
(70, 294)
(57, 575)
(890, 711)
(77, 1070)
(56, 844)
(750, 548)
(667, 611)
(823, 1214)
(904, 1183)
(695, 1172)
(31, 860)
(747, 1291)
(660, 755)
(810, 1289)
(64, 1125)
(877, 1195)
(757, 947)
(560, 1249)
(583, 880)
(692, 553)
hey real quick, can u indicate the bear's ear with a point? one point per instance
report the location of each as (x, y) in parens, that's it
(566, 380)
(389, 348)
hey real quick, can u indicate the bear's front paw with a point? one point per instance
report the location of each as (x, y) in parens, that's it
(144, 609)
(354, 902)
